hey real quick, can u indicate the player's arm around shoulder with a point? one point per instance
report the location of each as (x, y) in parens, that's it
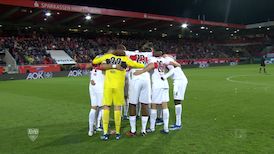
(148, 68)
(133, 64)
(100, 59)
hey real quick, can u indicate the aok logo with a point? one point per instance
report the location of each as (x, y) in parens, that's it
(75, 73)
(39, 75)
(203, 65)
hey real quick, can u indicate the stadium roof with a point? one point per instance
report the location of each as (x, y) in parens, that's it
(228, 11)
(30, 14)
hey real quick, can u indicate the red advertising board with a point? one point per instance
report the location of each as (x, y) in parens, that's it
(39, 68)
(1, 70)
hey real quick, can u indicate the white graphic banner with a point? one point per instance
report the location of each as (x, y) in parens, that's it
(61, 57)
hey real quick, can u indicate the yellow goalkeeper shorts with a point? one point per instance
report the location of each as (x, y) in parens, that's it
(114, 96)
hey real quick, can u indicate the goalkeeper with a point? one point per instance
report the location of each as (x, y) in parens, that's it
(114, 86)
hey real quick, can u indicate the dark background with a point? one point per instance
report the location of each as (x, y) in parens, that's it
(229, 11)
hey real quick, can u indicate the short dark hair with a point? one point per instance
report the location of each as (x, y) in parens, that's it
(157, 53)
(121, 47)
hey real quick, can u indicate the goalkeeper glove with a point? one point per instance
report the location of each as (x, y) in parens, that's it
(124, 65)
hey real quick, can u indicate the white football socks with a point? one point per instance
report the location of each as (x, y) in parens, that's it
(165, 118)
(153, 116)
(91, 119)
(132, 121)
(159, 113)
(99, 118)
(126, 107)
(178, 113)
(144, 123)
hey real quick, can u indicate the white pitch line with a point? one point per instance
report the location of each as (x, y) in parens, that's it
(230, 78)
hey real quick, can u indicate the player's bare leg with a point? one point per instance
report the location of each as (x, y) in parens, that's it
(117, 120)
(165, 117)
(92, 115)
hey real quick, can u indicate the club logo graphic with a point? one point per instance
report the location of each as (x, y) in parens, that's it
(33, 133)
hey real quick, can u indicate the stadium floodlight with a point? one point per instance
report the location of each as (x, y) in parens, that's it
(48, 14)
(88, 17)
(184, 25)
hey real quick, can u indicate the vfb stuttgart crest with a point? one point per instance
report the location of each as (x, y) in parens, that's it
(33, 133)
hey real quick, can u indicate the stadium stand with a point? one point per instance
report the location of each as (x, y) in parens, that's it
(31, 49)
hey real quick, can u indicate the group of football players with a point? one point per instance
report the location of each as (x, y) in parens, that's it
(147, 88)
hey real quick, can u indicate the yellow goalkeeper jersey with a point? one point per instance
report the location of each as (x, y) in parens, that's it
(115, 78)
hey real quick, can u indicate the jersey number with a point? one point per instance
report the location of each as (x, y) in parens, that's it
(112, 60)
(139, 58)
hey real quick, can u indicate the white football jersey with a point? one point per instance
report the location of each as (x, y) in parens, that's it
(140, 57)
(159, 72)
(176, 73)
(98, 77)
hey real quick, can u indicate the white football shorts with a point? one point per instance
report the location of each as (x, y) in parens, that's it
(96, 98)
(160, 95)
(139, 91)
(179, 89)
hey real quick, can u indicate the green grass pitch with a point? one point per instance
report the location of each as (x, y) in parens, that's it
(227, 110)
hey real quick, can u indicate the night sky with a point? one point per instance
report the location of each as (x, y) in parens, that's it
(230, 11)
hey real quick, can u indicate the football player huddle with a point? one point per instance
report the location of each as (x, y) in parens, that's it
(147, 91)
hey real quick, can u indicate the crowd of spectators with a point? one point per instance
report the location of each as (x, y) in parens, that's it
(32, 49)
(26, 50)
